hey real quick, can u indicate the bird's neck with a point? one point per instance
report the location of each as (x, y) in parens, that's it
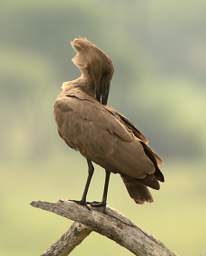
(83, 83)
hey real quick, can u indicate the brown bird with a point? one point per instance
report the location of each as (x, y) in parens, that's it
(101, 134)
(98, 69)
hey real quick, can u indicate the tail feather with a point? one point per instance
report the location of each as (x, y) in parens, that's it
(156, 161)
(158, 175)
(150, 181)
(137, 191)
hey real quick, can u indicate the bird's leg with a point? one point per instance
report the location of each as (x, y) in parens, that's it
(90, 174)
(105, 192)
(106, 186)
(86, 188)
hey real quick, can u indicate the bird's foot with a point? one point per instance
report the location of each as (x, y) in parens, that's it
(81, 202)
(97, 204)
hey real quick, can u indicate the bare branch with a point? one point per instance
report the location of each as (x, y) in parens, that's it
(69, 240)
(110, 224)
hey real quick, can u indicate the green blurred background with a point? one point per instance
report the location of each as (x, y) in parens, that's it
(159, 52)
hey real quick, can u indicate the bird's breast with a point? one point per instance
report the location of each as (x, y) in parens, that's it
(66, 119)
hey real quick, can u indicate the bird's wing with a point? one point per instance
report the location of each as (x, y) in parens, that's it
(99, 114)
(89, 127)
(136, 132)
(129, 125)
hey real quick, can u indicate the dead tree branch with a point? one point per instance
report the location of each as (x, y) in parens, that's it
(69, 240)
(108, 223)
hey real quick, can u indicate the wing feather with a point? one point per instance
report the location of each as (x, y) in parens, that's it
(129, 125)
(101, 137)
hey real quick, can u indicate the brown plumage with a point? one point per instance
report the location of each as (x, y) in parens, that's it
(100, 133)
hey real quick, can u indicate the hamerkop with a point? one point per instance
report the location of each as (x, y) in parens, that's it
(101, 134)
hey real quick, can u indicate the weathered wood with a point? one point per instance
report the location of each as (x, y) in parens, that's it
(110, 224)
(69, 240)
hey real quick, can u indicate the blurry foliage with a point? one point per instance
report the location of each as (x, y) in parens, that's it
(177, 120)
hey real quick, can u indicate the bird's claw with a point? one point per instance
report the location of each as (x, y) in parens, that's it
(81, 202)
(97, 204)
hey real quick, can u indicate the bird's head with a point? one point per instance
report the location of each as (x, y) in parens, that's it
(82, 48)
(93, 63)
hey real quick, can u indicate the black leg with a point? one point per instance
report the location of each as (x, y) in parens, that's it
(105, 192)
(106, 186)
(90, 174)
(86, 188)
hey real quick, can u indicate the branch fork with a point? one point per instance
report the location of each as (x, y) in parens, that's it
(108, 223)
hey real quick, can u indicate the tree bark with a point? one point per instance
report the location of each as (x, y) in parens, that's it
(69, 240)
(106, 222)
